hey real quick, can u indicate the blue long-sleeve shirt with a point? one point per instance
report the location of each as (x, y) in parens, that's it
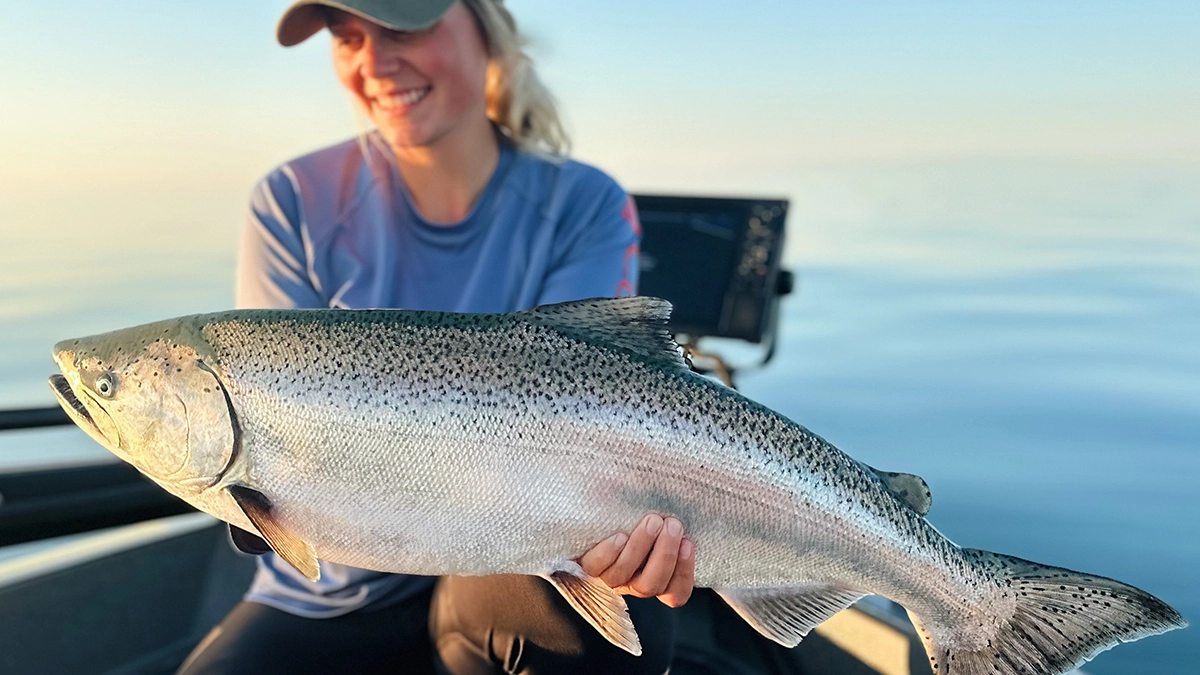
(335, 228)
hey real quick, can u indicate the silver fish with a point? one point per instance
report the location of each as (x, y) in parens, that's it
(473, 444)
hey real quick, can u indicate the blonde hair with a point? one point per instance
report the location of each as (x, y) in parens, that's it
(517, 101)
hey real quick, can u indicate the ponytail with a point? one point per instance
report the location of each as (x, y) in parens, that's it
(517, 101)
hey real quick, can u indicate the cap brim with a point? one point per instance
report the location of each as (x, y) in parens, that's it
(305, 18)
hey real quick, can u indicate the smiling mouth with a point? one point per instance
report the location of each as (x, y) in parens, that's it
(401, 101)
(71, 403)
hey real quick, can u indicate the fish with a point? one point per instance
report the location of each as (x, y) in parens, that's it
(474, 444)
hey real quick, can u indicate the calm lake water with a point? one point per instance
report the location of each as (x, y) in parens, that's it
(1024, 336)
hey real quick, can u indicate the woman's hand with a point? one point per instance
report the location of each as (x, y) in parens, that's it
(654, 561)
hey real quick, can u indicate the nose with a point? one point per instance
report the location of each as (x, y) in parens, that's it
(377, 60)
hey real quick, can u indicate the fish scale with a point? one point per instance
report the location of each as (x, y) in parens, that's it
(468, 354)
(438, 443)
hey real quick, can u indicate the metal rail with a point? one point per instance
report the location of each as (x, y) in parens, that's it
(32, 418)
(50, 502)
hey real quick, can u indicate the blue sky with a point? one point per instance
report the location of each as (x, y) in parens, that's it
(173, 95)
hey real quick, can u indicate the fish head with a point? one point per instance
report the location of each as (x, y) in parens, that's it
(149, 397)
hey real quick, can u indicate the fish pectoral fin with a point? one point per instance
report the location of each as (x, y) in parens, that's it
(248, 542)
(907, 487)
(600, 606)
(787, 614)
(297, 552)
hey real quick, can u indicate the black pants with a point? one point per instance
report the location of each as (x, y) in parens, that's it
(465, 626)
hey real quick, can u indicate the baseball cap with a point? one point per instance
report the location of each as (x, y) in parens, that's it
(304, 19)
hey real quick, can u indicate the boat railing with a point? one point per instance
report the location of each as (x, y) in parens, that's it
(33, 418)
(47, 502)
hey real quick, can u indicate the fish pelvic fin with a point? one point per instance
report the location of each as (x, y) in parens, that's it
(599, 605)
(636, 325)
(1062, 619)
(248, 542)
(787, 614)
(297, 552)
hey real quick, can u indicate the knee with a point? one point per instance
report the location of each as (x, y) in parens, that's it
(521, 624)
(505, 653)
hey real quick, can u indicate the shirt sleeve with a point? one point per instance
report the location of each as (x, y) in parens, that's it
(272, 268)
(602, 260)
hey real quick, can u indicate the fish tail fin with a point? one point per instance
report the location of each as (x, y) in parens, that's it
(1061, 619)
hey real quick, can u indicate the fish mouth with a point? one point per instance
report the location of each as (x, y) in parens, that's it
(75, 408)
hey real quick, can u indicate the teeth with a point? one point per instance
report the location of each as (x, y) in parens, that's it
(414, 96)
(406, 98)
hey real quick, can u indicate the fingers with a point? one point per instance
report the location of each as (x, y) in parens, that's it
(603, 555)
(641, 540)
(655, 576)
(680, 587)
(654, 560)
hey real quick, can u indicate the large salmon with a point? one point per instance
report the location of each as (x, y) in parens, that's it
(436, 443)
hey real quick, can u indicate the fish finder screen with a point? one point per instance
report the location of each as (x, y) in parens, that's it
(715, 259)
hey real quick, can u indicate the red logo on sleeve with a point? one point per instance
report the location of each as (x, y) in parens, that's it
(625, 288)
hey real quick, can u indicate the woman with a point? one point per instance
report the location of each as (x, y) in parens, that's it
(461, 201)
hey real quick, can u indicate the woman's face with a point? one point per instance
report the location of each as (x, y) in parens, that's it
(417, 87)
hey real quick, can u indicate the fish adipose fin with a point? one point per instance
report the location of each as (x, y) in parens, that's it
(907, 487)
(1062, 619)
(786, 615)
(297, 552)
(600, 605)
(637, 325)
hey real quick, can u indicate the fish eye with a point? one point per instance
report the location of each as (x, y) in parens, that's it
(106, 385)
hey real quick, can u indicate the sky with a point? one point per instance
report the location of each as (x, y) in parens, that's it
(144, 95)
(138, 120)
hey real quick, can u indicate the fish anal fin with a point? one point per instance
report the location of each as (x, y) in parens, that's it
(787, 614)
(907, 487)
(599, 605)
(636, 325)
(296, 551)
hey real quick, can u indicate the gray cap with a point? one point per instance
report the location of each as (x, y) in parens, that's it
(305, 18)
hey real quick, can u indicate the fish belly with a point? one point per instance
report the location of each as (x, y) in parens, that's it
(446, 492)
(451, 491)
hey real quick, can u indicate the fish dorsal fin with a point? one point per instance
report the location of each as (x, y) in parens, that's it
(637, 325)
(297, 552)
(787, 614)
(599, 605)
(907, 487)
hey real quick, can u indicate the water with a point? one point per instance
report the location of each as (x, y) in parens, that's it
(1024, 336)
